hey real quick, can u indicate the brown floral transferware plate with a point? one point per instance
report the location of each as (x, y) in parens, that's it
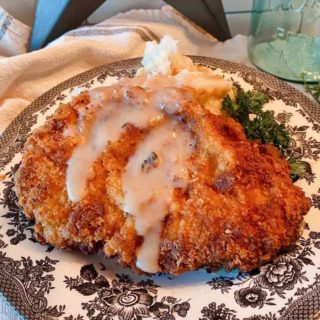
(42, 282)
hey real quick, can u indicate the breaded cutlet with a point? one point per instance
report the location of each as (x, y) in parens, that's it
(239, 208)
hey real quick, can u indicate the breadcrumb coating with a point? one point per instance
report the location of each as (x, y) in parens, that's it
(239, 209)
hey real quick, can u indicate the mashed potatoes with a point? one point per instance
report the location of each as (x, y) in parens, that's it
(164, 65)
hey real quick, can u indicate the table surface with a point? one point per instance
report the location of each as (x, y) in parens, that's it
(235, 50)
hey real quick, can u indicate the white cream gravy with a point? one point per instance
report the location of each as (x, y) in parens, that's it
(148, 185)
(106, 129)
(152, 173)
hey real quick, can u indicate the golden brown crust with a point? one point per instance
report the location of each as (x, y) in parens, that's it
(239, 210)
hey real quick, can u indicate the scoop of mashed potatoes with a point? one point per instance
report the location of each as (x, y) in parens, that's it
(164, 66)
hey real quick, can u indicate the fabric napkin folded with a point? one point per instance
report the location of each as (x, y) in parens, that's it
(25, 77)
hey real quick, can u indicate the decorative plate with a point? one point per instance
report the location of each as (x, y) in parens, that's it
(42, 282)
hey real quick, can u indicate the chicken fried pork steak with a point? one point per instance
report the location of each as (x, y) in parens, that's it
(153, 178)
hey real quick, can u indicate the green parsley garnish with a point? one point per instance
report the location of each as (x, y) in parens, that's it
(313, 89)
(297, 168)
(259, 124)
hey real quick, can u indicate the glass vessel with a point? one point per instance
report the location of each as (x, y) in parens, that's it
(285, 38)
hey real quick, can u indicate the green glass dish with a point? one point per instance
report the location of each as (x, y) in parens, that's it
(284, 38)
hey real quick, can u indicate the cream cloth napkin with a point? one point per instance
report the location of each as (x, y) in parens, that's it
(25, 77)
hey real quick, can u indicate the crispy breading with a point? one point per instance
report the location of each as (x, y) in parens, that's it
(239, 210)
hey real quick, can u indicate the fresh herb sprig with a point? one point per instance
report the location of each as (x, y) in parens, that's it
(260, 124)
(297, 168)
(313, 89)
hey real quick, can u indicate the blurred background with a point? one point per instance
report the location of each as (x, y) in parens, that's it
(237, 12)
